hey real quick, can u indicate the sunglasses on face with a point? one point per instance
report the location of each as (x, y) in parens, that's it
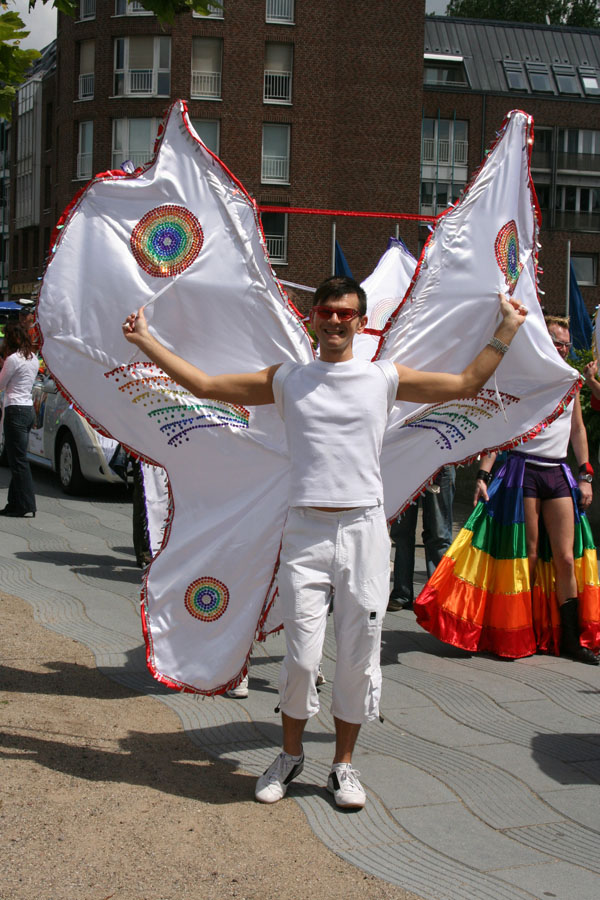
(566, 344)
(345, 314)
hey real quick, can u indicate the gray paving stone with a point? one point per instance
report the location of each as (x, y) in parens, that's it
(540, 772)
(433, 724)
(558, 881)
(400, 784)
(544, 712)
(452, 831)
(581, 804)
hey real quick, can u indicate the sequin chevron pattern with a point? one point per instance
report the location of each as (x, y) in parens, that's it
(166, 240)
(206, 599)
(455, 420)
(507, 253)
(176, 412)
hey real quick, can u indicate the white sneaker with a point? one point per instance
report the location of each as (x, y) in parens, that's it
(241, 691)
(347, 790)
(320, 678)
(272, 784)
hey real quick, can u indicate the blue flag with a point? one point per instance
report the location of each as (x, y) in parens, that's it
(341, 266)
(581, 324)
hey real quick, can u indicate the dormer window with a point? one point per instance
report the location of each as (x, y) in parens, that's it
(445, 69)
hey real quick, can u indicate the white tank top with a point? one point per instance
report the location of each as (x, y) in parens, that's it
(335, 416)
(552, 442)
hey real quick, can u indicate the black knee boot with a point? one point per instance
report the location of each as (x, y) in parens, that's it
(569, 642)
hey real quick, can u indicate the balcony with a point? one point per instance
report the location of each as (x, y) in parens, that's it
(277, 87)
(86, 86)
(275, 169)
(578, 162)
(137, 157)
(206, 85)
(139, 81)
(541, 159)
(215, 12)
(84, 165)
(570, 220)
(280, 11)
(87, 9)
(445, 152)
(277, 247)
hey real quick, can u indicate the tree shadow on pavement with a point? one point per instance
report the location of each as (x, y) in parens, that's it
(92, 564)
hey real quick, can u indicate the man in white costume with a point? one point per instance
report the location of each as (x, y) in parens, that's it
(335, 539)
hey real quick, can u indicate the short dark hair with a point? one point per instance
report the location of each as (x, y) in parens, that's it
(339, 286)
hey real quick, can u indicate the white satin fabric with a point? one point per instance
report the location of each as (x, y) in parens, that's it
(228, 467)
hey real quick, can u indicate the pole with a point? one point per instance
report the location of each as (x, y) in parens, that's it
(333, 239)
(568, 285)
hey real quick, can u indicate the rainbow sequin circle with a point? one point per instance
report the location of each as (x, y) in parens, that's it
(167, 240)
(206, 599)
(507, 253)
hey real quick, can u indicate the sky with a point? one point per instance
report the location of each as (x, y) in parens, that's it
(41, 22)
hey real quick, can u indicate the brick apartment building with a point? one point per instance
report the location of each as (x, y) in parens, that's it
(475, 72)
(332, 105)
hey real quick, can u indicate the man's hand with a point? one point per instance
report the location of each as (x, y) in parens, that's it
(513, 313)
(135, 327)
(590, 371)
(585, 494)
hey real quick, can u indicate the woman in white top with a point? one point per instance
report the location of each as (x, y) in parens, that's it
(16, 380)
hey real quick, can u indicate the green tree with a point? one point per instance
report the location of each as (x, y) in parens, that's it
(14, 62)
(581, 13)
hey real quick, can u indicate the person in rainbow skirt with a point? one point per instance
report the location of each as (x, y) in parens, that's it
(522, 575)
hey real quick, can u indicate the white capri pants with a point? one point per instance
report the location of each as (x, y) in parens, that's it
(349, 553)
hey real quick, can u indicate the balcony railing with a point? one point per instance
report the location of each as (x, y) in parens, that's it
(84, 165)
(278, 87)
(136, 8)
(578, 162)
(445, 152)
(87, 9)
(86, 86)
(541, 159)
(215, 12)
(276, 169)
(206, 84)
(577, 221)
(277, 247)
(280, 11)
(137, 157)
(139, 81)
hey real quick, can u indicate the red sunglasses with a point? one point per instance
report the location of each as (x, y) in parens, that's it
(345, 314)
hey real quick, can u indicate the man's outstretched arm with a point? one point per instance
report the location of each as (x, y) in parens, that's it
(245, 388)
(435, 387)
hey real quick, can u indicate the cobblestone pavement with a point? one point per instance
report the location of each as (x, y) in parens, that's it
(483, 780)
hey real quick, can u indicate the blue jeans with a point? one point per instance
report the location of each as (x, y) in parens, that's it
(17, 425)
(437, 533)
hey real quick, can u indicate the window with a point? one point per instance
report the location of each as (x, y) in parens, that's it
(281, 11)
(207, 56)
(578, 149)
(436, 196)
(540, 78)
(441, 69)
(133, 8)
(515, 76)
(445, 142)
(543, 196)
(86, 148)
(566, 80)
(86, 70)
(26, 201)
(585, 266)
(577, 208)
(143, 66)
(208, 130)
(87, 9)
(541, 153)
(589, 79)
(215, 12)
(278, 73)
(133, 140)
(275, 231)
(25, 250)
(276, 154)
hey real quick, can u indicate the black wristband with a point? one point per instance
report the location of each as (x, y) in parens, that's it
(482, 475)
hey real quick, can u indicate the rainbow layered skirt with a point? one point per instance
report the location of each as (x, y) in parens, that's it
(480, 597)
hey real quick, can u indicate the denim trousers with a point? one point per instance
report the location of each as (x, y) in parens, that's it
(437, 533)
(17, 425)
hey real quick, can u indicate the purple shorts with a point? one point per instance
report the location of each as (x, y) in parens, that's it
(545, 482)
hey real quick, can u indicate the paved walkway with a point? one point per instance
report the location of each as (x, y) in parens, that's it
(483, 781)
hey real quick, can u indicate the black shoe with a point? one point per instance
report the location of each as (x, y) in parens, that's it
(395, 604)
(570, 645)
(15, 514)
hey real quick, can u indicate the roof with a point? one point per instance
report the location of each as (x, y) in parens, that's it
(486, 47)
(46, 64)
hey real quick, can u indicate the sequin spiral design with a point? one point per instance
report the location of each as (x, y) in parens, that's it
(167, 240)
(507, 253)
(206, 599)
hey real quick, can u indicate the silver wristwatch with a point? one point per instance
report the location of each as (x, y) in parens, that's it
(585, 477)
